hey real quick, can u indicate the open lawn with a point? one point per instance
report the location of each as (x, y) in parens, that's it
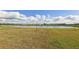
(39, 37)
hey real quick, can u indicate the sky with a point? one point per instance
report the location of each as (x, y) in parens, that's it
(39, 16)
(52, 13)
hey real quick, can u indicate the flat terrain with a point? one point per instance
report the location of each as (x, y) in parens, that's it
(11, 37)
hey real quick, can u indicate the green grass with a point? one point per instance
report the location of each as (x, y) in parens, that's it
(38, 37)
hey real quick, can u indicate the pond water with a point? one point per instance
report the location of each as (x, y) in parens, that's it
(43, 26)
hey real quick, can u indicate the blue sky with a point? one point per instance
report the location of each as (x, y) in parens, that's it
(39, 16)
(47, 12)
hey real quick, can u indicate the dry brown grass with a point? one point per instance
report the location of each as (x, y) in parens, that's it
(22, 38)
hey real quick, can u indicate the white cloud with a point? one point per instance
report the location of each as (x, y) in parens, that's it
(70, 19)
(11, 17)
(18, 18)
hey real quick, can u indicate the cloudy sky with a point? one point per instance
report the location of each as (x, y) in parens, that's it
(39, 16)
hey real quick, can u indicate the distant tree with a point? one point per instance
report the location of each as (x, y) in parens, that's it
(44, 24)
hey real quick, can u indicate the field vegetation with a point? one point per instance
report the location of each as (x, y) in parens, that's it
(56, 38)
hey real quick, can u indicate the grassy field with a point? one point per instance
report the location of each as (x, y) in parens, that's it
(38, 38)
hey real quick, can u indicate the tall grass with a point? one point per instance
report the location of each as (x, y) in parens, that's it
(38, 38)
